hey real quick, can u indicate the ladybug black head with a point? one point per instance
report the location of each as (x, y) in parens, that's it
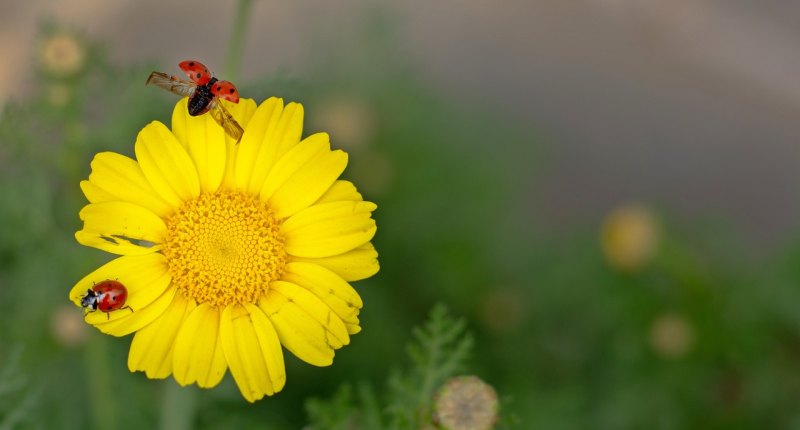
(89, 300)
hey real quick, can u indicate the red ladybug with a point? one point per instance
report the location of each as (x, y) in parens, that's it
(106, 296)
(204, 93)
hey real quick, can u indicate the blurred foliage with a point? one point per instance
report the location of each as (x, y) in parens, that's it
(701, 335)
(440, 350)
(17, 393)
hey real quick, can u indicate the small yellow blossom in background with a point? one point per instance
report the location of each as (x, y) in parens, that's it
(671, 336)
(630, 237)
(229, 252)
(349, 119)
(62, 54)
(466, 403)
(67, 327)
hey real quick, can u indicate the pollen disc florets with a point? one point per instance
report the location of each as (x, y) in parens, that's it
(224, 248)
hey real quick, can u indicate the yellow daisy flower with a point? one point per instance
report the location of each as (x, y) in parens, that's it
(229, 252)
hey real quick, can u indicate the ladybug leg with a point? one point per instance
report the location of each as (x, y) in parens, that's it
(108, 314)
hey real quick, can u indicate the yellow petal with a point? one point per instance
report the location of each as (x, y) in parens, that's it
(340, 190)
(242, 111)
(205, 142)
(293, 160)
(330, 288)
(305, 325)
(151, 348)
(197, 353)
(254, 151)
(353, 328)
(249, 359)
(166, 164)
(329, 229)
(270, 347)
(118, 227)
(147, 280)
(245, 110)
(355, 265)
(115, 245)
(303, 175)
(138, 317)
(316, 310)
(116, 177)
(272, 131)
(96, 194)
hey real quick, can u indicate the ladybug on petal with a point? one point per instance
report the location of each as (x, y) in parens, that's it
(204, 92)
(107, 296)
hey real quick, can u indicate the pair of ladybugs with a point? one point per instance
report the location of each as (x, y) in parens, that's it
(107, 296)
(204, 92)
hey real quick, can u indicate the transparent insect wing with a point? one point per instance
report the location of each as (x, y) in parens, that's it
(226, 121)
(172, 84)
(225, 90)
(196, 71)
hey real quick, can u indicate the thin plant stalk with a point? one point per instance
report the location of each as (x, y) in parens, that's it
(233, 58)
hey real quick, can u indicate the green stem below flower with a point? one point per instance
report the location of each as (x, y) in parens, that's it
(178, 407)
(104, 410)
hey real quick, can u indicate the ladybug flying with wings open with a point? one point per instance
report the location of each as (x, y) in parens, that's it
(204, 92)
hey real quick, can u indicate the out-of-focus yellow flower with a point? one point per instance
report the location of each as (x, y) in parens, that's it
(466, 403)
(67, 327)
(229, 252)
(671, 335)
(62, 54)
(350, 120)
(630, 237)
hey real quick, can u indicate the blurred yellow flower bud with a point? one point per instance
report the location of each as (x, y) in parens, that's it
(349, 122)
(630, 236)
(62, 54)
(67, 326)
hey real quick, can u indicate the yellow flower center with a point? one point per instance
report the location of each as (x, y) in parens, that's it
(224, 248)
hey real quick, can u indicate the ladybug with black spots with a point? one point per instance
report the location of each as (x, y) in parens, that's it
(204, 92)
(106, 296)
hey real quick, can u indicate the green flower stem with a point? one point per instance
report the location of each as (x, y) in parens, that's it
(104, 410)
(178, 407)
(236, 44)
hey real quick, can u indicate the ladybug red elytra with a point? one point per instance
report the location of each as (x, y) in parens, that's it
(106, 296)
(204, 92)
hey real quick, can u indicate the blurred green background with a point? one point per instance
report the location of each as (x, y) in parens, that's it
(605, 191)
